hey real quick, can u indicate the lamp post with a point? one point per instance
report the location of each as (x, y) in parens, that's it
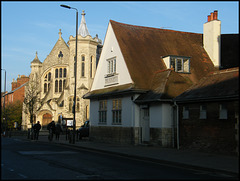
(75, 73)
(4, 101)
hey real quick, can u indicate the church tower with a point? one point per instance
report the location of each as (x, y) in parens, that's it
(36, 66)
(87, 55)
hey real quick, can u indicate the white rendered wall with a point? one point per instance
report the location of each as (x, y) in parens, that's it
(212, 40)
(130, 113)
(160, 116)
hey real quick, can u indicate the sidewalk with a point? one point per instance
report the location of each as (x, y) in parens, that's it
(169, 156)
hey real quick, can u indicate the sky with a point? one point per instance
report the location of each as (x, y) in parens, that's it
(28, 27)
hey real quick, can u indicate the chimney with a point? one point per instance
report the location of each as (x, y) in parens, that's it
(212, 38)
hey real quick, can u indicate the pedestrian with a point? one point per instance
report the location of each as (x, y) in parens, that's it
(51, 127)
(36, 129)
(58, 130)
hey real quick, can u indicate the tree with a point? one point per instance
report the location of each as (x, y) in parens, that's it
(14, 114)
(31, 100)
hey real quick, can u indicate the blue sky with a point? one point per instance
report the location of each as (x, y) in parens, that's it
(30, 26)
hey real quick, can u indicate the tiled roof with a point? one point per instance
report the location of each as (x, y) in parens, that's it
(144, 47)
(223, 84)
(166, 84)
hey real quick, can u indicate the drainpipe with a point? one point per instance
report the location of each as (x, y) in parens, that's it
(177, 118)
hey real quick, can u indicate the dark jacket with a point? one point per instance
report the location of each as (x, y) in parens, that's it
(58, 128)
(51, 126)
(37, 127)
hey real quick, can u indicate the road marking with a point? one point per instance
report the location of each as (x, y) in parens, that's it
(21, 175)
(45, 152)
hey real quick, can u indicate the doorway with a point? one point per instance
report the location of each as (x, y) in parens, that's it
(47, 118)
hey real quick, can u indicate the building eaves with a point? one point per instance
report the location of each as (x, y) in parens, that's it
(113, 91)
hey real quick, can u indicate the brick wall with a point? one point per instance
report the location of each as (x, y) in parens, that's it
(211, 134)
(122, 135)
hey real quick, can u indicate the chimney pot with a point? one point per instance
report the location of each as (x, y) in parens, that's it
(215, 14)
(211, 16)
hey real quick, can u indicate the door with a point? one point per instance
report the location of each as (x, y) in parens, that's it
(145, 125)
(47, 118)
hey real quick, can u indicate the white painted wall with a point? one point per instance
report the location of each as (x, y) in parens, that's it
(130, 113)
(212, 40)
(160, 116)
(110, 49)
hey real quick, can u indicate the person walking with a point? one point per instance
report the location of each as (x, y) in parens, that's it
(58, 130)
(36, 129)
(51, 127)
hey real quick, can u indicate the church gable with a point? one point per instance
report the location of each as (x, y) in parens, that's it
(58, 55)
(112, 69)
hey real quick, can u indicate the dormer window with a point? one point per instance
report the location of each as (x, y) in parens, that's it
(178, 63)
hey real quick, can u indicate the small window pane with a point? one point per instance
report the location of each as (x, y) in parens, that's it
(56, 73)
(60, 73)
(64, 72)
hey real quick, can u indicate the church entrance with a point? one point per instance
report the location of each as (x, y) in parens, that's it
(47, 118)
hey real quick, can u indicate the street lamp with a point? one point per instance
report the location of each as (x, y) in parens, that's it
(4, 101)
(75, 73)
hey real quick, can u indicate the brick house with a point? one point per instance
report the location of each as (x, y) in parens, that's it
(17, 92)
(209, 113)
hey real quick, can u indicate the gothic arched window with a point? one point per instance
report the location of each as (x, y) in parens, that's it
(56, 85)
(83, 66)
(56, 73)
(64, 72)
(45, 87)
(46, 82)
(91, 67)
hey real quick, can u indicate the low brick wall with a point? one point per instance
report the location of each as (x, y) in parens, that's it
(123, 135)
(161, 137)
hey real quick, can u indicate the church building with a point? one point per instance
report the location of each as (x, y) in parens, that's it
(55, 79)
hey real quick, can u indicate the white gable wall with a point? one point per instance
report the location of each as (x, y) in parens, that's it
(111, 49)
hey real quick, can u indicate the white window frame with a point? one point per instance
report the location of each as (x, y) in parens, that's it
(223, 113)
(203, 112)
(117, 112)
(185, 112)
(184, 62)
(102, 112)
(111, 66)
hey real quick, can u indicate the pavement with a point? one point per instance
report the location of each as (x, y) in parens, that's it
(169, 156)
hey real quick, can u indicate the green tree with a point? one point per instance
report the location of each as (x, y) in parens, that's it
(14, 114)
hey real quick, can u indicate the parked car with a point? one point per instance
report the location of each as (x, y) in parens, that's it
(84, 130)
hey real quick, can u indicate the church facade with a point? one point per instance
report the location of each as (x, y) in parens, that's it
(55, 79)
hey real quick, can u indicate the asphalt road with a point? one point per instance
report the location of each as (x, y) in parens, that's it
(30, 160)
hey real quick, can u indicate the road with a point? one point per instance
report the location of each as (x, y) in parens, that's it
(29, 160)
